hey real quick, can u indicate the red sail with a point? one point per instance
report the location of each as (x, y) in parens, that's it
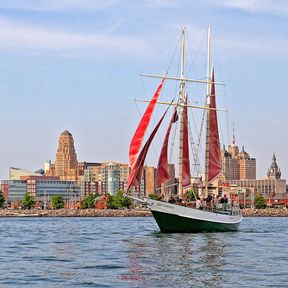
(163, 174)
(186, 178)
(136, 173)
(142, 127)
(214, 164)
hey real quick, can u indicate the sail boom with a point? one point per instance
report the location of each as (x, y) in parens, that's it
(177, 104)
(181, 79)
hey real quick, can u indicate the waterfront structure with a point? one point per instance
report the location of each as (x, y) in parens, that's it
(237, 165)
(66, 164)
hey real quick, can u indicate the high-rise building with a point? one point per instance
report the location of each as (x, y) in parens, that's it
(149, 178)
(66, 164)
(113, 177)
(148, 183)
(107, 177)
(237, 165)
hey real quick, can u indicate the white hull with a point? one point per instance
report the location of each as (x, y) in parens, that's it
(177, 218)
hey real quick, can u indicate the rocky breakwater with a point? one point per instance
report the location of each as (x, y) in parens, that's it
(120, 213)
(273, 212)
(74, 213)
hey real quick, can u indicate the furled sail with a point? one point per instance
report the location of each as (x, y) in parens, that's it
(142, 127)
(163, 174)
(137, 169)
(186, 177)
(214, 163)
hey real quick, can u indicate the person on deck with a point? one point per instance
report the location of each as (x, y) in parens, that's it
(199, 204)
(209, 200)
(172, 200)
(224, 202)
(217, 202)
(224, 199)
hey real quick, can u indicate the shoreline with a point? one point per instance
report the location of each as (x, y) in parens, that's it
(120, 213)
(92, 212)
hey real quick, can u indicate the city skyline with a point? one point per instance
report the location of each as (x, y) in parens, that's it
(75, 65)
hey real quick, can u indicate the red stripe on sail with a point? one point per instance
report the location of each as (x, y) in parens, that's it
(186, 178)
(214, 164)
(142, 127)
(136, 173)
(163, 174)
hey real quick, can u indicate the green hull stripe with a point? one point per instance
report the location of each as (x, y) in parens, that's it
(174, 223)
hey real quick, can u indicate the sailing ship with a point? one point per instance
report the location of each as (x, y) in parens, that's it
(172, 217)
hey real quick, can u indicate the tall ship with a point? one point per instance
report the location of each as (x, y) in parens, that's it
(179, 215)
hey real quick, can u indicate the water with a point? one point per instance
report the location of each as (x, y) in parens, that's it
(130, 252)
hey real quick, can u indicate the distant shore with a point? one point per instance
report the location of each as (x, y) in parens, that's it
(74, 213)
(120, 213)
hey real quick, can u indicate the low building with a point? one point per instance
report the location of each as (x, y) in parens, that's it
(42, 188)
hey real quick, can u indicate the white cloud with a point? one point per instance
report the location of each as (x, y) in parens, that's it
(235, 45)
(22, 36)
(55, 5)
(276, 7)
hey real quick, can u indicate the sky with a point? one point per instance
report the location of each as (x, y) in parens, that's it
(76, 65)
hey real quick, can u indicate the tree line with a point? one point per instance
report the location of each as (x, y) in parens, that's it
(116, 201)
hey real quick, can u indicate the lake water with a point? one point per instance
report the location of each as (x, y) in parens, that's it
(130, 252)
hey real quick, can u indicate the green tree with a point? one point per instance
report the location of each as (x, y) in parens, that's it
(2, 199)
(88, 201)
(191, 195)
(259, 202)
(119, 201)
(57, 201)
(28, 201)
(154, 196)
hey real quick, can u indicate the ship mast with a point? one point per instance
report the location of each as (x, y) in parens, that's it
(182, 98)
(208, 91)
(182, 103)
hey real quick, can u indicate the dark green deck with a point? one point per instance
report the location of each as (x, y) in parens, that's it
(175, 224)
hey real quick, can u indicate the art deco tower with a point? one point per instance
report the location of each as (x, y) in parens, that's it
(66, 164)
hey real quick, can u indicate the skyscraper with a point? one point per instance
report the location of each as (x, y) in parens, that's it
(66, 164)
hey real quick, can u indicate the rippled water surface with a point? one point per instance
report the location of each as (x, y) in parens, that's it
(130, 252)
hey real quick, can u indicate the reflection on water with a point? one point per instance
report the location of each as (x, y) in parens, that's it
(170, 260)
(123, 252)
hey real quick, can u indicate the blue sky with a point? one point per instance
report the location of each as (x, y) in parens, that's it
(75, 65)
